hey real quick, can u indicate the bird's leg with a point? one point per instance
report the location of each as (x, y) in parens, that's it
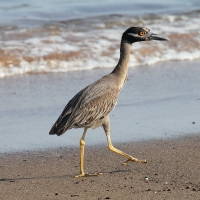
(82, 147)
(130, 158)
(106, 127)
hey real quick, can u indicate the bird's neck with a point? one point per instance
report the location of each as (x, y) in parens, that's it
(121, 70)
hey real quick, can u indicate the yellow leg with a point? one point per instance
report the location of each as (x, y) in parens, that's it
(82, 147)
(106, 127)
(130, 158)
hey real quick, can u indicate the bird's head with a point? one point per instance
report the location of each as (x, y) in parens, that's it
(138, 34)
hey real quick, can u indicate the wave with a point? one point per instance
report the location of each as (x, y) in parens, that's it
(85, 44)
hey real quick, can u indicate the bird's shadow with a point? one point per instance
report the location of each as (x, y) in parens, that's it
(50, 177)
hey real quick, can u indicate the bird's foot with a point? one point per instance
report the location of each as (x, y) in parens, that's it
(134, 160)
(87, 175)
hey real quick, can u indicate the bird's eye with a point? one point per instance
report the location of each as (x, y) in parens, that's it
(141, 33)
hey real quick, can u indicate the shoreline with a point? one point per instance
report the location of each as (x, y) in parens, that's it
(156, 102)
(172, 171)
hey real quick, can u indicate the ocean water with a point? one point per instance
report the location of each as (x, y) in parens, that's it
(51, 49)
(61, 36)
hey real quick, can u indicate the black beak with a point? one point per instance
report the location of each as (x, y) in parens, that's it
(153, 36)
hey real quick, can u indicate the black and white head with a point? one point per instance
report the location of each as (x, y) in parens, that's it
(138, 34)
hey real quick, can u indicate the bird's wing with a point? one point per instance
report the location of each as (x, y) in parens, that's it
(95, 108)
(91, 103)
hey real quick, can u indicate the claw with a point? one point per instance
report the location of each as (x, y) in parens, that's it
(86, 175)
(134, 160)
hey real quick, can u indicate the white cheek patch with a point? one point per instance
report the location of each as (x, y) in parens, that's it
(134, 35)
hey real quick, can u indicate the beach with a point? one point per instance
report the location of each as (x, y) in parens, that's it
(50, 50)
(173, 172)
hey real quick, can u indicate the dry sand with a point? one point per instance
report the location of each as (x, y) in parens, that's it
(173, 170)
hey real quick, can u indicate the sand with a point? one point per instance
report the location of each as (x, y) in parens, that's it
(173, 172)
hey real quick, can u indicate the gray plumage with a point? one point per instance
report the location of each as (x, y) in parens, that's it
(90, 107)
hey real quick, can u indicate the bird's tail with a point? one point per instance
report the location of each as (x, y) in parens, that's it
(57, 130)
(60, 126)
(53, 130)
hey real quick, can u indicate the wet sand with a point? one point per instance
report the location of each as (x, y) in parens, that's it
(173, 170)
(156, 103)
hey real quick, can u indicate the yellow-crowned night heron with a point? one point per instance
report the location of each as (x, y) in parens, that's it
(90, 107)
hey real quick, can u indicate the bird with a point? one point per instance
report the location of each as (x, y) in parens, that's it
(90, 107)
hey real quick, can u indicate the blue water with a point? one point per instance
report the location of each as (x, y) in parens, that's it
(36, 12)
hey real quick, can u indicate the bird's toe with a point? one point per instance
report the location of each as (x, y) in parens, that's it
(134, 160)
(86, 175)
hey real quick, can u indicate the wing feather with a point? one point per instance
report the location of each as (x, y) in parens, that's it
(90, 104)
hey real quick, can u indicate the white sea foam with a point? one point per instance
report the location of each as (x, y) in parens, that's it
(98, 48)
(42, 66)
